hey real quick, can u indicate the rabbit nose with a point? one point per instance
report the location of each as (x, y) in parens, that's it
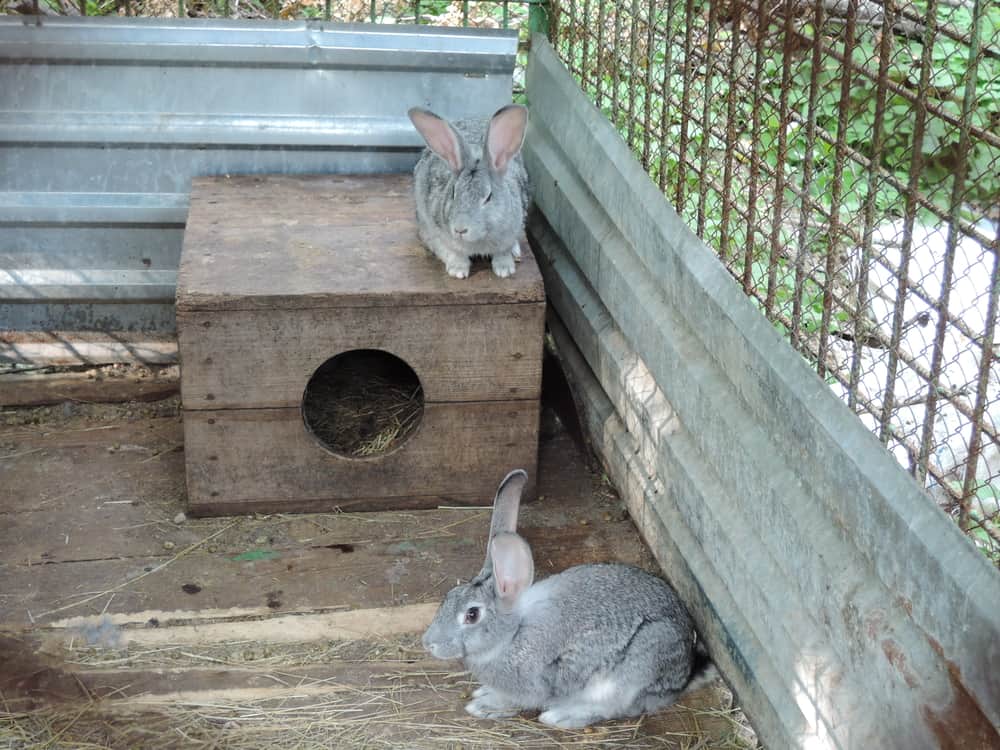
(460, 231)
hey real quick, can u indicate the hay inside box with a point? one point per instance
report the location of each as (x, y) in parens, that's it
(327, 360)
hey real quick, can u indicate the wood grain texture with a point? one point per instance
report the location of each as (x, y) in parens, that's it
(100, 467)
(264, 581)
(341, 624)
(459, 452)
(267, 241)
(247, 359)
(36, 389)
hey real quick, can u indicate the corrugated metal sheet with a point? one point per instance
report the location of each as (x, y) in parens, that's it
(846, 610)
(103, 122)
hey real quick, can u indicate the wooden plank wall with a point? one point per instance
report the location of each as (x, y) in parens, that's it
(843, 607)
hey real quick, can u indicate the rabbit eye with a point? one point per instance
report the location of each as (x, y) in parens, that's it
(471, 616)
(488, 198)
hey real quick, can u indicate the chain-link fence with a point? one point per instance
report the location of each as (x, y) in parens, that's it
(843, 158)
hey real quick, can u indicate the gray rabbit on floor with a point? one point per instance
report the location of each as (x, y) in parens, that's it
(595, 642)
(471, 188)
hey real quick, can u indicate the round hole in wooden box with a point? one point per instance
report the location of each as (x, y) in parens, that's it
(363, 403)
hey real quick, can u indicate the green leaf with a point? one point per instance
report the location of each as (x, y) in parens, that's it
(256, 554)
(988, 492)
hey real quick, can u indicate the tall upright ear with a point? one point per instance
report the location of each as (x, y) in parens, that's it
(513, 568)
(505, 135)
(507, 503)
(505, 507)
(440, 137)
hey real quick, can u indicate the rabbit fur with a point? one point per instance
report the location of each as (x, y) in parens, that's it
(471, 188)
(595, 642)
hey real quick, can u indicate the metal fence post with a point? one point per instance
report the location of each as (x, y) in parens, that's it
(539, 18)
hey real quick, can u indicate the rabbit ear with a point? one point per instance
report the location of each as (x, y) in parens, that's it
(440, 137)
(505, 135)
(513, 568)
(505, 507)
(507, 502)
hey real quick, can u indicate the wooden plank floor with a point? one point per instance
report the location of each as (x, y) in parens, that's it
(127, 625)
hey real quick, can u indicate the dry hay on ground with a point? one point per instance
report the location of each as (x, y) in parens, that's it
(364, 406)
(411, 707)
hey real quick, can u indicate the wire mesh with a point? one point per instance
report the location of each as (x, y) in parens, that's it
(843, 159)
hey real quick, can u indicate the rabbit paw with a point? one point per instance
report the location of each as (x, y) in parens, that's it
(569, 717)
(485, 710)
(458, 268)
(488, 703)
(503, 265)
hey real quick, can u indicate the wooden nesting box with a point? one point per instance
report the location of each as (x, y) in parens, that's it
(280, 274)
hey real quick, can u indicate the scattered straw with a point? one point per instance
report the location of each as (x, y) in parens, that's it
(412, 705)
(367, 717)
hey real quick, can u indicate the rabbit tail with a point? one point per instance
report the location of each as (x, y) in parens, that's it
(703, 669)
